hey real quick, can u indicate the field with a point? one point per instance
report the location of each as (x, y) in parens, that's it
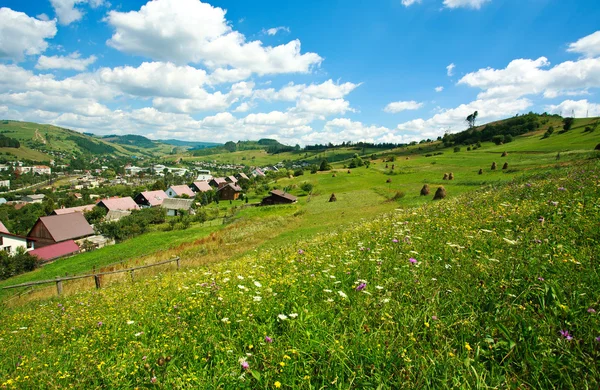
(495, 286)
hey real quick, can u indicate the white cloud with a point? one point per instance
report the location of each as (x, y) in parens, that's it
(22, 35)
(408, 3)
(450, 69)
(291, 92)
(474, 4)
(39, 100)
(342, 129)
(72, 61)
(454, 119)
(396, 107)
(578, 109)
(43, 17)
(275, 30)
(185, 31)
(67, 13)
(589, 46)
(527, 77)
(439, 89)
(244, 107)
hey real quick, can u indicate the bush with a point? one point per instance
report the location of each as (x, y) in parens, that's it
(498, 139)
(307, 187)
(17, 264)
(568, 123)
(456, 149)
(299, 172)
(508, 138)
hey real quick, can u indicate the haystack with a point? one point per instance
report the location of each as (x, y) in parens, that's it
(597, 147)
(445, 176)
(505, 166)
(332, 198)
(451, 176)
(504, 154)
(349, 171)
(494, 166)
(425, 190)
(480, 171)
(440, 193)
(334, 175)
(388, 181)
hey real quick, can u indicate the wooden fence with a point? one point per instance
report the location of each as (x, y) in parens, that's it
(96, 276)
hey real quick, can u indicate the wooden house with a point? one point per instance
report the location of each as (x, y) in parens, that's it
(279, 197)
(150, 198)
(230, 192)
(58, 228)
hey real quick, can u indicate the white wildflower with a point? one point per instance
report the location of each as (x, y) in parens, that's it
(257, 298)
(130, 322)
(282, 317)
(342, 294)
(257, 284)
(294, 315)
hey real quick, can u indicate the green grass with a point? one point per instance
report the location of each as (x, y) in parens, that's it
(498, 273)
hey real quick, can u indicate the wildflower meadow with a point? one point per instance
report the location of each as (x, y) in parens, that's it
(495, 288)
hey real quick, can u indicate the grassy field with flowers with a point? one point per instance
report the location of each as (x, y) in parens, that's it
(494, 288)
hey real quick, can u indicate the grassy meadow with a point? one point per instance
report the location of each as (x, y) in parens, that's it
(495, 286)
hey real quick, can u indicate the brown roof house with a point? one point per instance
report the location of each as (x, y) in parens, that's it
(229, 192)
(200, 186)
(217, 182)
(174, 191)
(150, 198)
(69, 210)
(58, 228)
(231, 179)
(279, 197)
(175, 205)
(122, 204)
(241, 176)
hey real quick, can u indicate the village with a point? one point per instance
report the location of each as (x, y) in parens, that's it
(66, 231)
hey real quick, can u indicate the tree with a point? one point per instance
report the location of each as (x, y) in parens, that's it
(568, 123)
(230, 146)
(471, 119)
(324, 165)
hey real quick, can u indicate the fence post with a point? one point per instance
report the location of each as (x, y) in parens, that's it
(59, 286)
(97, 280)
(131, 273)
(178, 262)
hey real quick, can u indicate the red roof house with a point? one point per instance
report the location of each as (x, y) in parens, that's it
(174, 191)
(58, 228)
(78, 209)
(150, 198)
(200, 186)
(55, 251)
(118, 204)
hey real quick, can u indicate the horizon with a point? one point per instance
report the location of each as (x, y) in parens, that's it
(301, 74)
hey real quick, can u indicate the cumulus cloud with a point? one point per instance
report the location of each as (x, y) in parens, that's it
(579, 108)
(408, 3)
(528, 77)
(439, 89)
(473, 4)
(588, 46)
(72, 61)
(454, 119)
(275, 30)
(189, 31)
(22, 35)
(396, 107)
(342, 129)
(450, 69)
(66, 11)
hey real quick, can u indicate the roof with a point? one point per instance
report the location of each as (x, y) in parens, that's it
(78, 209)
(284, 195)
(3, 228)
(242, 175)
(232, 178)
(119, 204)
(219, 180)
(65, 227)
(55, 251)
(155, 198)
(36, 196)
(115, 215)
(202, 186)
(183, 190)
(177, 204)
(235, 187)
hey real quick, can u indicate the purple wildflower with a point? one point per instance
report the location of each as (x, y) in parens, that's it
(395, 240)
(413, 260)
(361, 287)
(300, 251)
(528, 185)
(562, 189)
(598, 339)
(434, 318)
(566, 335)
(100, 323)
(407, 239)
(553, 203)
(541, 219)
(153, 380)
(268, 339)
(245, 365)
(540, 279)
(591, 310)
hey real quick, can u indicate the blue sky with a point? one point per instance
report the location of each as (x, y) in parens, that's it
(301, 72)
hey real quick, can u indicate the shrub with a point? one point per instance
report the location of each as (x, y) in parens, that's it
(456, 149)
(307, 187)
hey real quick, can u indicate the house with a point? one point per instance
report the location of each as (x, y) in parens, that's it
(150, 198)
(241, 176)
(231, 179)
(115, 215)
(174, 191)
(58, 228)
(42, 169)
(200, 186)
(174, 205)
(217, 182)
(3, 200)
(230, 192)
(118, 204)
(35, 198)
(78, 209)
(55, 251)
(279, 197)
(11, 242)
(5, 183)
(258, 172)
(204, 175)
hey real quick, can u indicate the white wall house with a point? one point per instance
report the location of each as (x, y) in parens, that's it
(11, 242)
(5, 183)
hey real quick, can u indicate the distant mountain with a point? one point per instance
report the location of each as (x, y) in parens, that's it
(190, 144)
(130, 139)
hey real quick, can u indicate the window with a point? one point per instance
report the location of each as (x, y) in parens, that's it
(29, 244)
(6, 249)
(1, 240)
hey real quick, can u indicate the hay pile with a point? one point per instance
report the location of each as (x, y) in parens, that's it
(505, 166)
(388, 181)
(332, 198)
(445, 176)
(504, 154)
(425, 190)
(494, 166)
(440, 193)
(480, 171)
(451, 176)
